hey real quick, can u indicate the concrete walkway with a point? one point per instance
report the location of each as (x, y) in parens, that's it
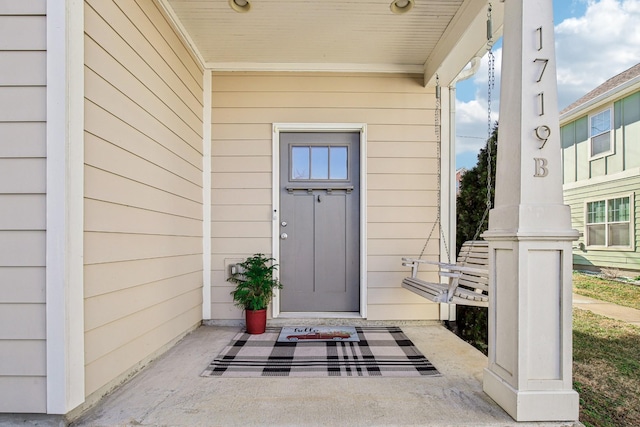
(607, 309)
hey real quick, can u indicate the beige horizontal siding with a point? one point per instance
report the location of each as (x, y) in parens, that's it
(22, 206)
(401, 165)
(22, 285)
(23, 139)
(28, 103)
(381, 279)
(18, 358)
(22, 32)
(22, 212)
(166, 153)
(23, 7)
(407, 214)
(22, 248)
(143, 188)
(22, 67)
(113, 277)
(106, 186)
(106, 156)
(116, 247)
(24, 394)
(230, 213)
(23, 176)
(22, 321)
(248, 115)
(139, 121)
(230, 100)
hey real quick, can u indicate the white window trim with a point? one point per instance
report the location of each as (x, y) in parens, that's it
(632, 217)
(611, 150)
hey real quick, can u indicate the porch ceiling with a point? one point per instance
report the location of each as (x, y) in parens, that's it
(332, 35)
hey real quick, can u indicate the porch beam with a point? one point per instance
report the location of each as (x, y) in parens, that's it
(530, 235)
(464, 38)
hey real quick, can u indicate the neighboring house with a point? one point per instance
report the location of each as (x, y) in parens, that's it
(601, 157)
(148, 145)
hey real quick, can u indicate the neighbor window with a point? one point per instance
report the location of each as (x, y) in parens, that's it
(609, 222)
(319, 162)
(600, 133)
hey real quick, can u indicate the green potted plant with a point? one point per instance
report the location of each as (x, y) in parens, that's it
(255, 284)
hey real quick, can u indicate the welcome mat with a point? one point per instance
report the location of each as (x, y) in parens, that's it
(381, 352)
(318, 333)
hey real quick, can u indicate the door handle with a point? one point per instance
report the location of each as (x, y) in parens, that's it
(284, 236)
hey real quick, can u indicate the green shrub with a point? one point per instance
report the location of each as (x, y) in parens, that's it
(472, 326)
(472, 322)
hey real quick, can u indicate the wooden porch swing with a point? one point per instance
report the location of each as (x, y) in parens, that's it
(468, 278)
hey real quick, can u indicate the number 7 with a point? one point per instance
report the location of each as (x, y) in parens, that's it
(544, 67)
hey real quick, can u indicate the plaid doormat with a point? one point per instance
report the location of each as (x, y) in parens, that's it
(381, 352)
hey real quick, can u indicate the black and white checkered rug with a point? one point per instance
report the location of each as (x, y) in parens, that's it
(382, 352)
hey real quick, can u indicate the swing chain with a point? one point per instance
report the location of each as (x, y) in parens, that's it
(438, 221)
(490, 86)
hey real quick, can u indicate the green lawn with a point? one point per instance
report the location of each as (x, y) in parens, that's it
(606, 370)
(606, 356)
(607, 290)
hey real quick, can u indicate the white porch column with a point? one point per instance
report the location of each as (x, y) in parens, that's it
(530, 235)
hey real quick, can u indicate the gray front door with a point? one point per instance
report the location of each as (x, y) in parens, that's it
(320, 221)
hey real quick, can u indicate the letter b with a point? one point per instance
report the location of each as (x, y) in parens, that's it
(541, 167)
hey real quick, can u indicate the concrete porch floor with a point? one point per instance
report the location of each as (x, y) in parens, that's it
(170, 391)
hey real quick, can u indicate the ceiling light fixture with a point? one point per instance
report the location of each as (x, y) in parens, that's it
(401, 6)
(240, 6)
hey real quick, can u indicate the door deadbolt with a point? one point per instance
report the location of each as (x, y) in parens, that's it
(284, 236)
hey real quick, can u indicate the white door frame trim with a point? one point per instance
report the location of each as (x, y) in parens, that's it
(275, 231)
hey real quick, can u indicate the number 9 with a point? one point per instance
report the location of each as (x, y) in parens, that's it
(543, 133)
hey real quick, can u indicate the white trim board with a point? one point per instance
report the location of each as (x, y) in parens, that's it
(275, 228)
(206, 194)
(629, 173)
(65, 205)
(317, 67)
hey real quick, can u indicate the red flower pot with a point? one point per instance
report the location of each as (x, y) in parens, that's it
(256, 321)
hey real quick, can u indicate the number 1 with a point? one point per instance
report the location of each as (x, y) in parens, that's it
(539, 30)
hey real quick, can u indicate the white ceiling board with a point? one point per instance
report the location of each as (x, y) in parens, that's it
(319, 35)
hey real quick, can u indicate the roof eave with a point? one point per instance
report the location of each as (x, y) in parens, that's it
(608, 97)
